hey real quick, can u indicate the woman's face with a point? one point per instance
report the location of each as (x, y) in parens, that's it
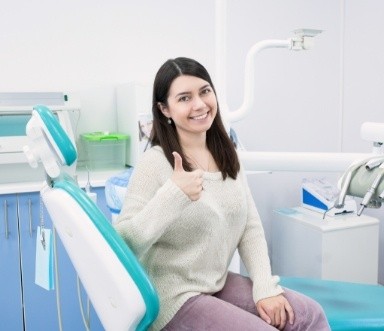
(192, 105)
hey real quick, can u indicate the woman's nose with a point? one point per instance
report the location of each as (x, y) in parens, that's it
(198, 103)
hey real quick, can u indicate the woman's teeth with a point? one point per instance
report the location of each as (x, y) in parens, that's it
(200, 117)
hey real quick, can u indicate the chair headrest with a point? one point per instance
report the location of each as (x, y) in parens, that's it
(48, 142)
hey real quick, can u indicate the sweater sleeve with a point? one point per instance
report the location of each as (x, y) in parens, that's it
(253, 250)
(151, 204)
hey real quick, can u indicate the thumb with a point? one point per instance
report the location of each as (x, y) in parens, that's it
(178, 162)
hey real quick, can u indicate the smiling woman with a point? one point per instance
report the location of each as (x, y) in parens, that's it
(187, 209)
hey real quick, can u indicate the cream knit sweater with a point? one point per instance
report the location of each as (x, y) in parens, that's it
(186, 246)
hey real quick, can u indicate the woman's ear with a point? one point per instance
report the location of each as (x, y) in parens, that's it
(163, 108)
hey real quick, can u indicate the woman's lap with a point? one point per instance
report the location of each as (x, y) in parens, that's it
(233, 309)
(206, 312)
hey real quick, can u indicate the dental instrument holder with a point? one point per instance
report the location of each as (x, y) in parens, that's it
(364, 178)
(366, 184)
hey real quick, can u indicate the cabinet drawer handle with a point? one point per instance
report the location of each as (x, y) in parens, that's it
(6, 219)
(30, 216)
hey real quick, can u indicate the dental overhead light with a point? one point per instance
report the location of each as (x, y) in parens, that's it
(302, 40)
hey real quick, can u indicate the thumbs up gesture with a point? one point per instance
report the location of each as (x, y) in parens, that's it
(191, 183)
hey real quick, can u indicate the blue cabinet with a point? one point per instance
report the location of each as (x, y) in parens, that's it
(23, 304)
(11, 309)
(37, 301)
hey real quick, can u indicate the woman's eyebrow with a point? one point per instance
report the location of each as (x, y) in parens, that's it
(189, 92)
(205, 86)
(182, 93)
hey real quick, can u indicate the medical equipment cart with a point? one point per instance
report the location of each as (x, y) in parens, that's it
(343, 248)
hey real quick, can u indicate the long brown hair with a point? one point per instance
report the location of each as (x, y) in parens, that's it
(165, 135)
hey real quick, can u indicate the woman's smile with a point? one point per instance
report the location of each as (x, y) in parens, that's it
(200, 117)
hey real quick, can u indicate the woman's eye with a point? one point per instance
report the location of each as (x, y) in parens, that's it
(206, 91)
(184, 98)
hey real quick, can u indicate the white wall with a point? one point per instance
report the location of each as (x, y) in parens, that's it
(85, 47)
(305, 101)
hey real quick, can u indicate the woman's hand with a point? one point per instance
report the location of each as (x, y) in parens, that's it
(276, 311)
(191, 183)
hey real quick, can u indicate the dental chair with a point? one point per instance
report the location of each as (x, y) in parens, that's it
(118, 287)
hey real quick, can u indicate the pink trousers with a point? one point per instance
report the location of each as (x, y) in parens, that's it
(233, 309)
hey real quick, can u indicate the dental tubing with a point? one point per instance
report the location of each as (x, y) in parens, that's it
(346, 181)
(368, 196)
(356, 178)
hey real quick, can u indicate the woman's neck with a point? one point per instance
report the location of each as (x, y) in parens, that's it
(197, 153)
(193, 143)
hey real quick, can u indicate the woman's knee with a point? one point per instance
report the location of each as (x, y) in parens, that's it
(309, 315)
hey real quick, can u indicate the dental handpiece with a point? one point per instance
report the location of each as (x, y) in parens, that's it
(368, 196)
(339, 203)
(347, 181)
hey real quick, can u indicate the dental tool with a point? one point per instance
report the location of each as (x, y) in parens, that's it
(368, 196)
(373, 163)
(370, 163)
(347, 181)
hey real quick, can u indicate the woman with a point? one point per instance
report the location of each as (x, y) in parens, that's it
(188, 208)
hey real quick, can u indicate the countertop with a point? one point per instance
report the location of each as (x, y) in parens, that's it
(96, 178)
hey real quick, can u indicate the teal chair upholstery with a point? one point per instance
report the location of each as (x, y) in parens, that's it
(348, 306)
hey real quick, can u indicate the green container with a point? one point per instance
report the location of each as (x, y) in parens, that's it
(104, 150)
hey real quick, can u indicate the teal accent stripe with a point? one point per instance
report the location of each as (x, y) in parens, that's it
(58, 134)
(118, 245)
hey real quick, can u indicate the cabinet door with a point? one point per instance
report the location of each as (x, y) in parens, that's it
(39, 304)
(11, 311)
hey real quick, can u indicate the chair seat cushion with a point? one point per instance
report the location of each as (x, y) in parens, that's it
(348, 306)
